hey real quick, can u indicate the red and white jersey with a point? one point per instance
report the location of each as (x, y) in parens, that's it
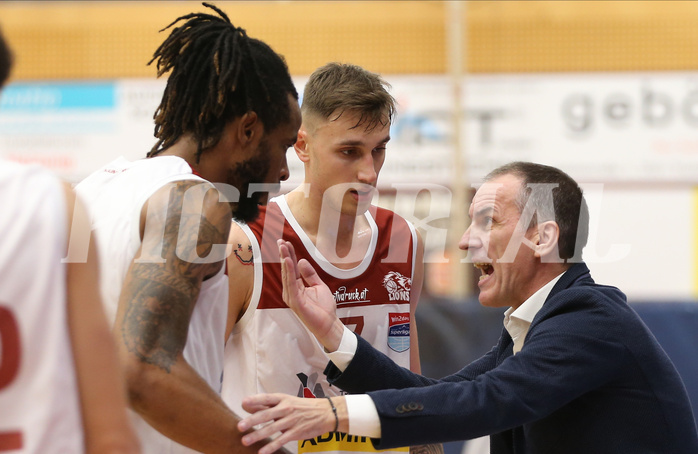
(39, 400)
(115, 195)
(270, 350)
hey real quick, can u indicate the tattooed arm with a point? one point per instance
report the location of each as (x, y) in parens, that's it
(155, 307)
(240, 276)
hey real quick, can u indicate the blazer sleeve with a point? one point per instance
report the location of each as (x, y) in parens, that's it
(563, 357)
(371, 370)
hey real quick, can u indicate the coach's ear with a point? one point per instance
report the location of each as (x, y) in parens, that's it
(301, 145)
(548, 235)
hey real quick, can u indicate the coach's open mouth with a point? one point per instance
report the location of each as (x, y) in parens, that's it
(486, 269)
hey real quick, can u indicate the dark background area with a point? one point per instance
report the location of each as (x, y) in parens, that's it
(454, 333)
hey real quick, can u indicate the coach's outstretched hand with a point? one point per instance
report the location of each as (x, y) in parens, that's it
(296, 418)
(309, 297)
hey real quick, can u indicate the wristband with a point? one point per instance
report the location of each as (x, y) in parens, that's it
(334, 411)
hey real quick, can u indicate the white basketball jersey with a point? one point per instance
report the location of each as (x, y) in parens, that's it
(39, 400)
(271, 351)
(114, 196)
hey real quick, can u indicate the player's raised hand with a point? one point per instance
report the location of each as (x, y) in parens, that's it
(309, 297)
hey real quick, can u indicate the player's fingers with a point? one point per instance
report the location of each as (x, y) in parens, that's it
(308, 273)
(288, 253)
(289, 292)
(284, 271)
(292, 253)
(289, 271)
(284, 280)
(284, 252)
(281, 245)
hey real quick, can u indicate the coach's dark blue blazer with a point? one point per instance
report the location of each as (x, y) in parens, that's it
(590, 379)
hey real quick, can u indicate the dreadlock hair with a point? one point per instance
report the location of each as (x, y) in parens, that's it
(218, 74)
(5, 60)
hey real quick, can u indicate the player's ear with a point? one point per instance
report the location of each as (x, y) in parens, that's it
(301, 145)
(249, 127)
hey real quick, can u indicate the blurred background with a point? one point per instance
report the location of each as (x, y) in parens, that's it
(605, 90)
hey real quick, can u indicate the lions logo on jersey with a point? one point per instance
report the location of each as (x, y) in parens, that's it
(398, 286)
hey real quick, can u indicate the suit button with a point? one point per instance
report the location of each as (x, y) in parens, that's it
(400, 409)
(412, 406)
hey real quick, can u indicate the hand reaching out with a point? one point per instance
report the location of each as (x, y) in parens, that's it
(296, 418)
(309, 297)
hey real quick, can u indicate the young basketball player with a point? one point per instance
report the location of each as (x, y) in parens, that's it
(370, 257)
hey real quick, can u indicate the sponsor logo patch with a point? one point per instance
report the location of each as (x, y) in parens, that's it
(398, 286)
(338, 442)
(309, 387)
(399, 331)
(342, 296)
(332, 442)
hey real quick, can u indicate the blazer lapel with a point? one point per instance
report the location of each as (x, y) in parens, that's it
(506, 347)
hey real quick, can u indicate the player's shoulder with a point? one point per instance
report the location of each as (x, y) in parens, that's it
(24, 186)
(238, 233)
(190, 197)
(241, 249)
(26, 175)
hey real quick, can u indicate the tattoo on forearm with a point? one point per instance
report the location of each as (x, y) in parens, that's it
(159, 297)
(437, 448)
(156, 322)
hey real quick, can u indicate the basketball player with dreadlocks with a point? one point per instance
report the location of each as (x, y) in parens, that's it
(228, 114)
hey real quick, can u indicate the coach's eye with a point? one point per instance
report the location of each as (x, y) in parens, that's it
(486, 222)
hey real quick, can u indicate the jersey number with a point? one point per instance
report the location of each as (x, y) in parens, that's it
(9, 366)
(357, 321)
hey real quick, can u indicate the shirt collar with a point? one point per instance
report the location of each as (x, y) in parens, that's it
(528, 310)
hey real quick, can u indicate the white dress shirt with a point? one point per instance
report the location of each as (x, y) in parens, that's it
(363, 416)
(518, 321)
